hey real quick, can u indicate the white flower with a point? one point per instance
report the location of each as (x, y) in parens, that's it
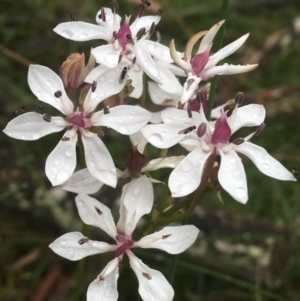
(61, 163)
(130, 40)
(203, 139)
(136, 201)
(203, 66)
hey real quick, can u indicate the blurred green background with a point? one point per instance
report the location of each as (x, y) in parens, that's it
(245, 252)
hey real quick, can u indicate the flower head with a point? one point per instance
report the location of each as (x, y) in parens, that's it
(61, 163)
(203, 66)
(136, 200)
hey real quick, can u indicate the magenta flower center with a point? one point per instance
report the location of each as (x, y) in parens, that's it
(222, 131)
(124, 34)
(124, 243)
(199, 61)
(79, 119)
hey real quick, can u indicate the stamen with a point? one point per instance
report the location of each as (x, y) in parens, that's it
(146, 275)
(200, 97)
(73, 17)
(130, 39)
(201, 129)
(58, 94)
(189, 110)
(98, 210)
(146, 2)
(259, 129)
(141, 32)
(140, 11)
(94, 86)
(134, 60)
(187, 130)
(114, 6)
(65, 138)
(238, 141)
(189, 83)
(47, 117)
(166, 236)
(106, 110)
(115, 35)
(239, 97)
(152, 29)
(100, 278)
(103, 15)
(83, 240)
(159, 12)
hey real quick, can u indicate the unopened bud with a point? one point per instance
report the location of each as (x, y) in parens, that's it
(259, 129)
(238, 141)
(239, 97)
(201, 130)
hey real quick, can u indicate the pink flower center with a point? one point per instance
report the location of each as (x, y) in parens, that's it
(199, 61)
(79, 118)
(124, 243)
(124, 34)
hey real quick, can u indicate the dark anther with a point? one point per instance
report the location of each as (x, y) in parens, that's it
(295, 172)
(141, 10)
(103, 15)
(141, 32)
(47, 117)
(106, 110)
(146, 2)
(189, 83)
(189, 110)
(259, 129)
(166, 236)
(115, 35)
(238, 141)
(159, 12)
(65, 138)
(73, 17)
(100, 278)
(201, 130)
(239, 97)
(134, 60)
(101, 134)
(83, 240)
(146, 275)
(19, 110)
(152, 28)
(200, 97)
(130, 39)
(98, 210)
(114, 6)
(123, 74)
(94, 86)
(58, 94)
(187, 130)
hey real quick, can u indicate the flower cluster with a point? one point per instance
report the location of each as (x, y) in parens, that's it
(116, 70)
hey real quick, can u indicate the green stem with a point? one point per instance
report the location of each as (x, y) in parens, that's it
(219, 43)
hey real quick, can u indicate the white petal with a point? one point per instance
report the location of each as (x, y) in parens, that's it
(176, 70)
(82, 182)
(190, 144)
(232, 176)
(109, 18)
(94, 213)
(164, 135)
(173, 240)
(186, 177)
(108, 84)
(81, 31)
(156, 117)
(146, 62)
(104, 287)
(137, 82)
(136, 201)
(43, 83)
(168, 162)
(250, 115)
(124, 119)
(173, 115)
(61, 163)
(189, 88)
(138, 140)
(153, 286)
(106, 55)
(30, 126)
(161, 97)
(69, 246)
(226, 51)
(145, 21)
(98, 160)
(226, 69)
(159, 51)
(264, 162)
(95, 73)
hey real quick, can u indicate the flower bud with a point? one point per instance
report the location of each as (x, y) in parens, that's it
(73, 70)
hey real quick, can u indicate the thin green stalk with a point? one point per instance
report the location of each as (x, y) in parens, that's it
(219, 43)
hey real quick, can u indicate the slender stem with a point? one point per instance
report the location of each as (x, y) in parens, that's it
(219, 43)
